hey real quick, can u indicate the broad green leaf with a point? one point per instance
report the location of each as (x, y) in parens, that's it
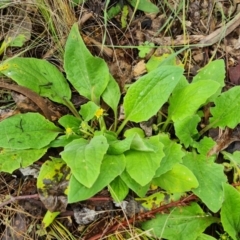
(173, 154)
(155, 61)
(12, 159)
(158, 199)
(185, 223)
(147, 95)
(39, 75)
(187, 100)
(203, 236)
(144, 5)
(225, 113)
(144, 144)
(118, 189)
(88, 74)
(134, 142)
(215, 71)
(85, 158)
(165, 58)
(52, 184)
(186, 129)
(112, 94)
(142, 166)
(112, 166)
(29, 130)
(119, 146)
(178, 179)
(132, 184)
(183, 82)
(210, 177)
(88, 110)
(230, 217)
(134, 130)
(63, 140)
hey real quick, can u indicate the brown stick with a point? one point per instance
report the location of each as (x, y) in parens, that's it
(13, 199)
(145, 215)
(220, 33)
(38, 100)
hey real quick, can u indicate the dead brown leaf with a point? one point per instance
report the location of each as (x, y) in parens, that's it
(234, 74)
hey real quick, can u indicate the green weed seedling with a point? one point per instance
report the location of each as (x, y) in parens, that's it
(97, 154)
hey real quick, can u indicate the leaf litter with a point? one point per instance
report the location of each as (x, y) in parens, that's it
(202, 25)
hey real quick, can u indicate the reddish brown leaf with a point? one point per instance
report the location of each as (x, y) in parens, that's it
(234, 74)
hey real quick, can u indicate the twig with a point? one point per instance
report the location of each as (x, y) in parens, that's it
(145, 215)
(197, 40)
(13, 199)
(220, 33)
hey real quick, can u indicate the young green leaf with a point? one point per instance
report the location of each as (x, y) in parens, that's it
(29, 130)
(49, 218)
(132, 184)
(187, 100)
(39, 75)
(63, 140)
(118, 189)
(88, 74)
(132, 141)
(88, 110)
(235, 163)
(69, 121)
(210, 177)
(173, 154)
(119, 146)
(12, 159)
(85, 158)
(186, 223)
(225, 113)
(111, 95)
(124, 17)
(54, 175)
(178, 179)
(112, 166)
(204, 145)
(230, 211)
(71, 124)
(142, 166)
(146, 96)
(114, 10)
(186, 129)
(144, 49)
